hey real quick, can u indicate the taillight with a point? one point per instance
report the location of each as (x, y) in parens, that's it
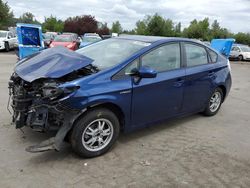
(229, 66)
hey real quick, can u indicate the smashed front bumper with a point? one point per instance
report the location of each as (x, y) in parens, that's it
(41, 114)
(54, 143)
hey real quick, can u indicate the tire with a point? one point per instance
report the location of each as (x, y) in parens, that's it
(212, 110)
(98, 126)
(240, 58)
(7, 46)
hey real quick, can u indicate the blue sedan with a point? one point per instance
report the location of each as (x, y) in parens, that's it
(119, 84)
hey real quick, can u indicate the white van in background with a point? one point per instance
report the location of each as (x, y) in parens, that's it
(240, 52)
(7, 40)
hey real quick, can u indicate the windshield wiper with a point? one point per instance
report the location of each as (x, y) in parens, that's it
(93, 68)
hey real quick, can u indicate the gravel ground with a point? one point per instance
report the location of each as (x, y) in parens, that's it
(194, 151)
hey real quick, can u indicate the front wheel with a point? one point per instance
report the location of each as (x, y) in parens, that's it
(95, 133)
(214, 102)
(7, 47)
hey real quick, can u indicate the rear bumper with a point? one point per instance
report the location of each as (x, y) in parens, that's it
(228, 85)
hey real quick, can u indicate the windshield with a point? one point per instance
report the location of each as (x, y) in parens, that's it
(245, 49)
(63, 38)
(91, 39)
(46, 36)
(3, 34)
(110, 52)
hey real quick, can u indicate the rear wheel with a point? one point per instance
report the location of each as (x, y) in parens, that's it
(95, 133)
(214, 103)
(241, 58)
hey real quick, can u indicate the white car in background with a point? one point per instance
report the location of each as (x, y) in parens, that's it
(240, 52)
(7, 40)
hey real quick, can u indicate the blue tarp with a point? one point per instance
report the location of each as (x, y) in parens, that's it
(223, 46)
(29, 39)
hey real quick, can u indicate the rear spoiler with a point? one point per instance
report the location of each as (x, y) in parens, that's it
(223, 46)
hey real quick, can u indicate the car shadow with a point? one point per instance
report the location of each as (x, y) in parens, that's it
(124, 138)
(156, 128)
(12, 51)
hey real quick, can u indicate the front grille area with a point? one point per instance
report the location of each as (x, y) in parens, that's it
(65, 106)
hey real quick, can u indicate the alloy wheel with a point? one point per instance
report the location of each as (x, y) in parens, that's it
(97, 135)
(215, 101)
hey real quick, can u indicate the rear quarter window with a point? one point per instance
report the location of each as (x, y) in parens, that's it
(196, 55)
(213, 56)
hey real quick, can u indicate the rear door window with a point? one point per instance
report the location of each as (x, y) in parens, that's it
(237, 49)
(195, 55)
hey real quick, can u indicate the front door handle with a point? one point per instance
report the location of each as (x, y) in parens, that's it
(211, 74)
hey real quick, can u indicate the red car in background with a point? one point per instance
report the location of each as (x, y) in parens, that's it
(65, 40)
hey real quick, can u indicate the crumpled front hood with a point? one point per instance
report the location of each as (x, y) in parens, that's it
(51, 63)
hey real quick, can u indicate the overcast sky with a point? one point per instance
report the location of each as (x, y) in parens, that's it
(232, 14)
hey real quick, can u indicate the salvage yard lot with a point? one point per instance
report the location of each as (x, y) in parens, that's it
(193, 151)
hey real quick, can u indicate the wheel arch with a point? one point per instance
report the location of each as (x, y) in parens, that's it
(108, 105)
(224, 91)
(241, 56)
(7, 42)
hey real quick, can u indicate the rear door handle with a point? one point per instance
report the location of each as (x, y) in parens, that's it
(179, 82)
(211, 74)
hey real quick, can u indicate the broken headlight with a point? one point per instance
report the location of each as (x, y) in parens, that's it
(54, 92)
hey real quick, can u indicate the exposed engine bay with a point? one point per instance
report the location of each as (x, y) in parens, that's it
(40, 105)
(37, 105)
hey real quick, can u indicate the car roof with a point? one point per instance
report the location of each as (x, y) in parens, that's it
(151, 39)
(68, 33)
(4, 31)
(64, 35)
(91, 36)
(240, 45)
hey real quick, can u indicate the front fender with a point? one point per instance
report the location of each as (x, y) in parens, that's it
(122, 101)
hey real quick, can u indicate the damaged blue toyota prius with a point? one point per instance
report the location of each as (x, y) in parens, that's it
(119, 84)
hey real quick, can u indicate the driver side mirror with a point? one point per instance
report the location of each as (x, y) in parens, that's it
(144, 72)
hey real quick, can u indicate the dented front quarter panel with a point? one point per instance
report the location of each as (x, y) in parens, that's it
(99, 89)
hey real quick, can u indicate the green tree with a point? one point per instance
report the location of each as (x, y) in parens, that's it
(218, 32)
(242, 38)
(116, 27)
(141, 28)
(215, 29)
(197, 29)
(177, 30)
(156, 25)
(28, 17)
(169, 29)
(130, 32)
(6, 16)
(53, 24)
